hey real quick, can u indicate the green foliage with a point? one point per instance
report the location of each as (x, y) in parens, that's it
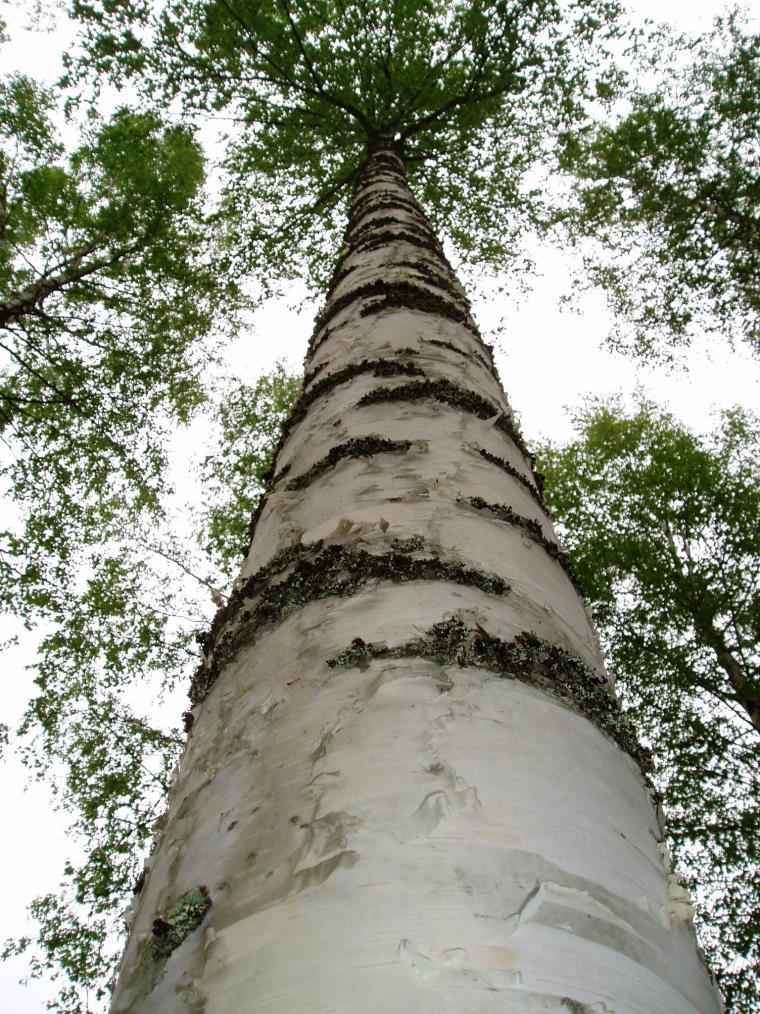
(78, 946)
(671, 189)
(109, 296)
(472, 91)
(96, 731)
(106, 295)
(234, 475)
(663, 529)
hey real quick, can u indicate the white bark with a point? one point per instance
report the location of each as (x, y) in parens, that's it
(408, 834)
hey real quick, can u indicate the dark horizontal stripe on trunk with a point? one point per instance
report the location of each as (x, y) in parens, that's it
(312, 375)
(315, 573)
(376, 367)
(359, 231)
(461, 352)
(436, 278)
(386, 225)
(407, 296)
(505, 513)
(510, 470)
(449, 393)
(359, 447)
(338, 276)
(430, 272)
(384, 169)
(404, 294)
(527, 658)
(381, 239)
(445, 391)
(384, 200)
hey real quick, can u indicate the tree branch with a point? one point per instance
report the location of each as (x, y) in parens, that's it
(710, 637)
(29, 300)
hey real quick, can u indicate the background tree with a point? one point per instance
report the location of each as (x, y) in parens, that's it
(670, 189)
(249, 420)
(663, 528)
(106, 293)
(118, 648)
(114, 299)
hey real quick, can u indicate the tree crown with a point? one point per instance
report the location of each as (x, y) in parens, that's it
(470, 92)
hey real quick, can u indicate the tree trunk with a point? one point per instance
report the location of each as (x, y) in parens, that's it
(408, 786)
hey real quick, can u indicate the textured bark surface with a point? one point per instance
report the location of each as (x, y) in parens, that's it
(425, 833)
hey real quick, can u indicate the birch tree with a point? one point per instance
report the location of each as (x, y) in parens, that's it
(408, 784)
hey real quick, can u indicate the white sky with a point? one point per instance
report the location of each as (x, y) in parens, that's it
(547, 360)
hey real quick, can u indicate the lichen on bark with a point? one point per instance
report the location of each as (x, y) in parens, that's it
(461, 352)
(359, 447)
(535, 491)
(314, 572)
(382, 238)
(395, 294)
(443, 390)
(449, 393)
(528, 658)
(532, 528)
(375, 367)
(379, 200)
(179, 921)
(407, 295)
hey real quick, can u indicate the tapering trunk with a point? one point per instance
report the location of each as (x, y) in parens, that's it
(408, 786)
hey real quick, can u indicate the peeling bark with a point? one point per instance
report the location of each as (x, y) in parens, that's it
(408, 784)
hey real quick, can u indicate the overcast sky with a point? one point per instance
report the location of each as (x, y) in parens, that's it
(547, 360)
